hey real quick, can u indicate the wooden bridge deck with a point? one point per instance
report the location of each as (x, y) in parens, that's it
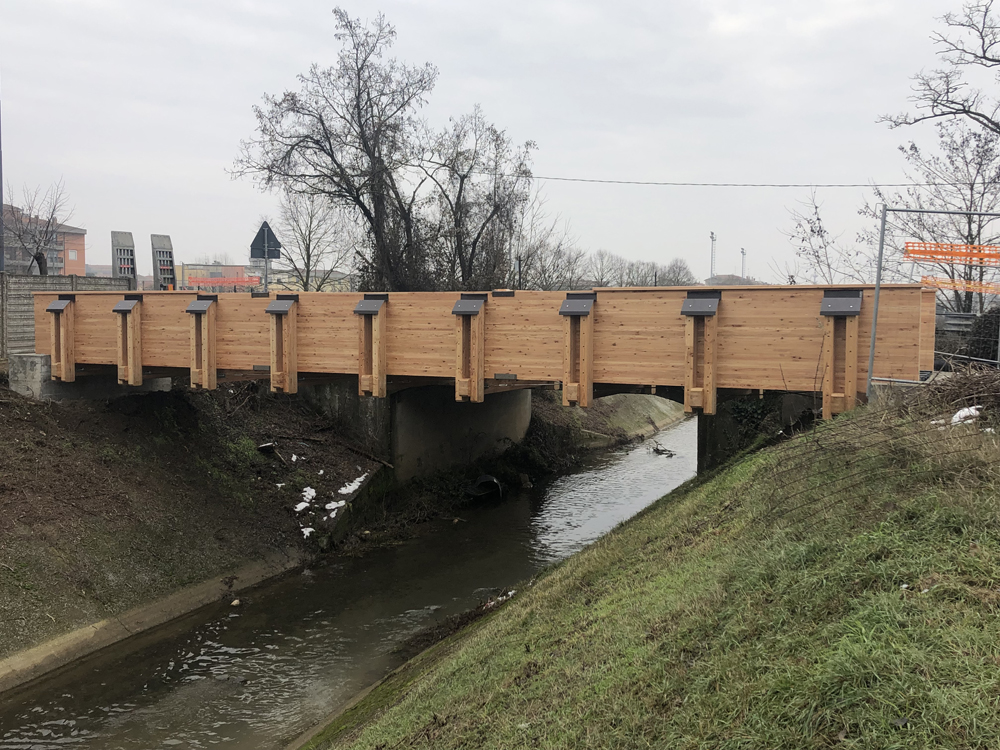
(760, 337)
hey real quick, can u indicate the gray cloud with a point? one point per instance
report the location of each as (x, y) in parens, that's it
(140, 107)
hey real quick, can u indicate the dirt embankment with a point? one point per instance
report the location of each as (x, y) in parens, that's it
(105, 507)
(115, 516)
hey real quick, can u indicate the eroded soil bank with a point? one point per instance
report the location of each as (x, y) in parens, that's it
(115, 513)
(107, 506)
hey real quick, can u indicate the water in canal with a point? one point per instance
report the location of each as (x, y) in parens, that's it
(259, 675)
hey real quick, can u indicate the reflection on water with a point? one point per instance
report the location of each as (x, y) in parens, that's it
(259, 675)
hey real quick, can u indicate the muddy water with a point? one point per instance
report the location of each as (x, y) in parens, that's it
(258, 675)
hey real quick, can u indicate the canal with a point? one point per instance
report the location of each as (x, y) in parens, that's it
(258, 675)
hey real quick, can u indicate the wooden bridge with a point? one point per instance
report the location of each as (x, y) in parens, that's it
(774, 338)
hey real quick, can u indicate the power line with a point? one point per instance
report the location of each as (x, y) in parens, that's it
(739, 184)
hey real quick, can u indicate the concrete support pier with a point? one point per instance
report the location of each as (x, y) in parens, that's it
(424, 430)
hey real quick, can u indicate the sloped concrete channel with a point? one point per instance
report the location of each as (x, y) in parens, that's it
(259, 675)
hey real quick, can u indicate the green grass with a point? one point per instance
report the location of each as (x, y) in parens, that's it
(761, 608)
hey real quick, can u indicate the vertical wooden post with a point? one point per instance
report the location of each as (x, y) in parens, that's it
(840, 307)
(284, 344)
(585, 392)
(372, 312)
(701, 333)
(129, 313)
(827, 365)
(711, 328)
(365, 331)
(571, 361)
(578, 348)
(851, 363)
(62, 338)
(470, 347)
(690, 363)
(203, 357)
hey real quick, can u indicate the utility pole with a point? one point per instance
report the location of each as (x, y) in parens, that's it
(712, 235)
(743, 271)
(267, 261)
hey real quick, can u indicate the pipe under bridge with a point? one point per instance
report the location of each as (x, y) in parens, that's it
(812, 339)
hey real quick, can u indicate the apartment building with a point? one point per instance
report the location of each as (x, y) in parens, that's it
(65, 252)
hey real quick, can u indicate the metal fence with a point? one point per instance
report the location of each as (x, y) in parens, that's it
(17, 307)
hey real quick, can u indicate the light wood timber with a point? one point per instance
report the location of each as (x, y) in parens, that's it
(130, 346)
(578, 359)
(470, 334)
(690, 364)
(850, 363)
(763, 338)
(372, 341)
(204, 373)
(284, 351)
(827, 365)
(62, 338)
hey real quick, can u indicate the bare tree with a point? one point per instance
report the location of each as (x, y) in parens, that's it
(603, 267)
(548, 257)
(349, 134)
(964, 175)
(32, 228)
(676, 273)
(318, 241)
(482, 179)
(825, 258)
(971, 40)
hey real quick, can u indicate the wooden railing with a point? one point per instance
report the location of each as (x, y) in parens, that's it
(777, 338)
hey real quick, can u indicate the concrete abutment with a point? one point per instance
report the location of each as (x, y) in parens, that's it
(423, 430)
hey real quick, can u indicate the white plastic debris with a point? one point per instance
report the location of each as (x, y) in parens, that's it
(350, 487)
(308, 493)
(905, 586)
(307, 531)
(294, 458)
(335, 504)
(333, 515)
(279, 485)
(925, 591)
(320, 472)
(301, 507)
(966, 415)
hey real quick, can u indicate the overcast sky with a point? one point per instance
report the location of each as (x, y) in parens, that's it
(140, 106)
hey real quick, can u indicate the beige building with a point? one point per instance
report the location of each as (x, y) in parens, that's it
(66, 254)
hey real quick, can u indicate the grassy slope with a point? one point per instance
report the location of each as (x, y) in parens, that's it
(762, 608)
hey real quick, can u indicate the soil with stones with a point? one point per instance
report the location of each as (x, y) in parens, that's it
(105, 506)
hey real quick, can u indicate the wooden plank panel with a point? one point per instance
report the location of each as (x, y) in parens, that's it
(327, 332)
(96, 332)
(767, 337)
(639, 338)
(242, 330)
(524, 336)
(928, 310)
(426, 318)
